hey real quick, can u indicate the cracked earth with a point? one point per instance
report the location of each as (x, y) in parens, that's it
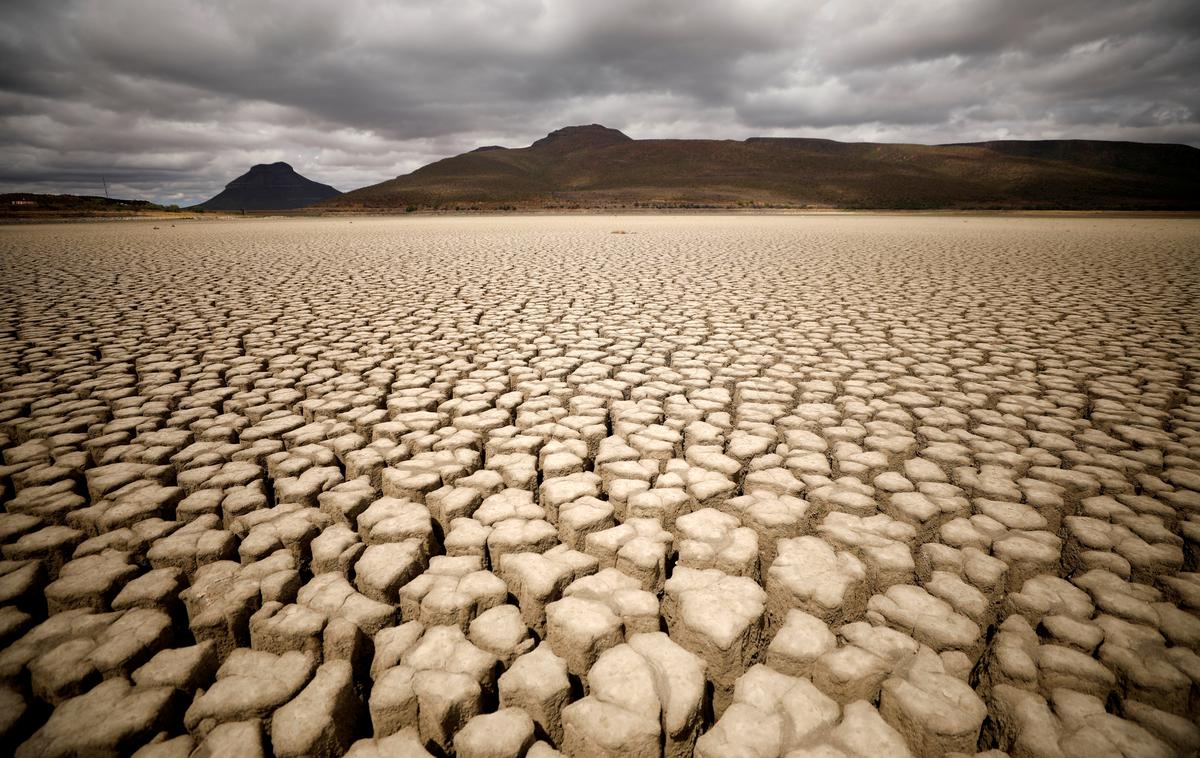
(836, 487)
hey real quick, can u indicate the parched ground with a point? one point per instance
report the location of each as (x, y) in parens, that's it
(857, 486)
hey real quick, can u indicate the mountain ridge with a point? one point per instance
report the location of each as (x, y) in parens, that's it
(593, 166)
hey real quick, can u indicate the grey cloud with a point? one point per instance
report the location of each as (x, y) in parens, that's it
(171, 102)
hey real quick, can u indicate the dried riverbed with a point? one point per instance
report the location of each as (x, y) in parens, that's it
(854, 486)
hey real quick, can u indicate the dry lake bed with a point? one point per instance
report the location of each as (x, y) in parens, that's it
(805, 486)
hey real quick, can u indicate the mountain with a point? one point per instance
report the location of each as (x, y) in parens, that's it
(268, 187)
(597, 167)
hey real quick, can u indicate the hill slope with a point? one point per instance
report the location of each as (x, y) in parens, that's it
(592, 166)
(20, 206)
(268, 187)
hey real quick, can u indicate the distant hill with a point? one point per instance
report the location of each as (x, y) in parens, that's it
(32, 206)
(268, 187)
(593, 166)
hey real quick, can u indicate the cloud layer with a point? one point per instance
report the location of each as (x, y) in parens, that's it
(169, 101)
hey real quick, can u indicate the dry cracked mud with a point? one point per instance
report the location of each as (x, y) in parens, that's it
(836, 487)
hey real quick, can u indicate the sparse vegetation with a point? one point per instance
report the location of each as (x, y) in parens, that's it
(26, 205)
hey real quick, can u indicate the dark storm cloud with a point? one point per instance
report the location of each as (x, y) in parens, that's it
(170, 100)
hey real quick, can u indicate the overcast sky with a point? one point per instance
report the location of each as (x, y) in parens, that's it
(171, 99)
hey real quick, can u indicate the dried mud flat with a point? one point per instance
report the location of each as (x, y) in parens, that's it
(806, 486)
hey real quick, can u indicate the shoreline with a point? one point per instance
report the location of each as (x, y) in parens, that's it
(615, 212)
